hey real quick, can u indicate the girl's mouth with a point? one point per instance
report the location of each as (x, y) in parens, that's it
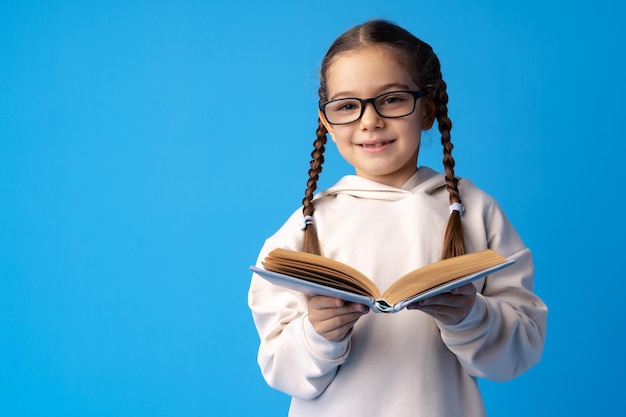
(375, 145)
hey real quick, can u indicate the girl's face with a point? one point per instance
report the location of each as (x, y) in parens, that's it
(381, 149)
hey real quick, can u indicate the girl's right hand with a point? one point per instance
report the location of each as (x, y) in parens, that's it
(333, 318)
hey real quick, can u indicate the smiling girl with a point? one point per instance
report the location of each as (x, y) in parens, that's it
(380, 87)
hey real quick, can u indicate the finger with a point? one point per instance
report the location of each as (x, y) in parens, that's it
(335, 328)
(438, 310)
(328, 307)
(336, 335)
(321, 302)
(444, 314)
(467, 289)
(447, 308)
(445, 299)
(336, 317)
(460, 297)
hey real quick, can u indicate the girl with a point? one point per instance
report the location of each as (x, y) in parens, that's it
(379, 88)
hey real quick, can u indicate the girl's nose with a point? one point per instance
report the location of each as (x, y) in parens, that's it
(371, 119)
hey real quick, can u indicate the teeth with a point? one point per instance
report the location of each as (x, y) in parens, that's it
(376, 145)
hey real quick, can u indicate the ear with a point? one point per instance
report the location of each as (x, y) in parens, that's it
(330, 128)
(428, 114)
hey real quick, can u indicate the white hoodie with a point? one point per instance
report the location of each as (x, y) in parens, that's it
(403, 364)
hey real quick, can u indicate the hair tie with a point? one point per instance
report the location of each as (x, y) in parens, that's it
(458, 207)
(306, 220)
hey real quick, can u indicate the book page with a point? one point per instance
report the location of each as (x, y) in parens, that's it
(319, 269)
(438, 273)
(311, 288)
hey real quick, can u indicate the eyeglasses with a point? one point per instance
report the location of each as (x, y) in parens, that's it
(389, 105)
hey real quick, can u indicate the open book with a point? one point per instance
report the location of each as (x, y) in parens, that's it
(318, 275)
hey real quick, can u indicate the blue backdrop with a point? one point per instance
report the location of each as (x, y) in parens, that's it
(149, 147)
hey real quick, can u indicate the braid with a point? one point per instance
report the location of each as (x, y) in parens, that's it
(454, 241)
(311, 241)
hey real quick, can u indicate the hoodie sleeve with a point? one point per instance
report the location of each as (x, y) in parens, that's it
(293, 358)
(504, 334)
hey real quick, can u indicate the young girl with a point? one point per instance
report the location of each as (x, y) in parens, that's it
(379, 88)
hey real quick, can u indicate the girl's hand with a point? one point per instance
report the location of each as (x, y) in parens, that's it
(450, 307)
(333, 318)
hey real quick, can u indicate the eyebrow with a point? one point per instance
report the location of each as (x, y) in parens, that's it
(381, 89)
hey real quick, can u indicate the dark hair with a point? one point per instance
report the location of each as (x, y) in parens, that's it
(422, 64)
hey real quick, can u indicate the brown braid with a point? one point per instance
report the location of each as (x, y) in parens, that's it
(311, 242)
(454, 241)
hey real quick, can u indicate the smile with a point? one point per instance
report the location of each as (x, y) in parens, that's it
(375, 145)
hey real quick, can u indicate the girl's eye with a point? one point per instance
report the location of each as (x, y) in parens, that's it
(347, 106)
(391, 100)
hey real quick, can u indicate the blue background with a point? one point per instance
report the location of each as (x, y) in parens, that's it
(149, 147)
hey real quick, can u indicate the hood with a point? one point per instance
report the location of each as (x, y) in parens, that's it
(425, 180)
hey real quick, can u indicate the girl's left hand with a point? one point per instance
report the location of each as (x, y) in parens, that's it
(451, 307)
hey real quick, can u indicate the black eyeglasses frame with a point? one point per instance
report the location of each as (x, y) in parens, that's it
(416, 95)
